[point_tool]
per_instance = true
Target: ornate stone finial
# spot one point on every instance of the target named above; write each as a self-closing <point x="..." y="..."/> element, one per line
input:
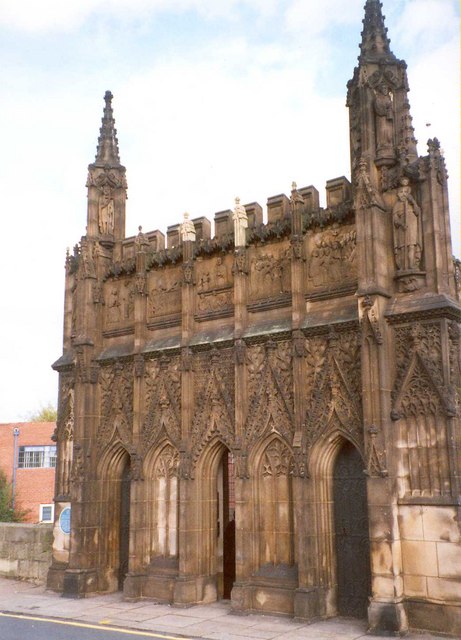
<point x="187" y="229"/>
<point x="294" y="186"/>
<point x="240" y="219"/>
<point x="107" y="153"/>
<point x="375" y="43"/>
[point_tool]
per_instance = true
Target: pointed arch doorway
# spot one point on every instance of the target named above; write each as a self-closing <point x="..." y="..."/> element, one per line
<point x="351" y="533"/>
<point x="226" y="523"/>
<point x="124" y="525"/>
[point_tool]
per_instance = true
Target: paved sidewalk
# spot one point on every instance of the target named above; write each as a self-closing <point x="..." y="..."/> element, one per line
<point x="213" y="621"/>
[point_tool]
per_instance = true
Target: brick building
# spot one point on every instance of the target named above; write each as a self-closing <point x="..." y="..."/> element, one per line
<point x="35" y="456"/>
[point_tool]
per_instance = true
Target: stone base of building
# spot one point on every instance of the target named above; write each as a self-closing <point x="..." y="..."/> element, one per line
<point x="195" y="590"/>
<point x="264" y="598"/>
<point x="55" y="576"/>
<point x="387" y="618"/>
<point x="79" y="583"/>
<point x="437" y="617"/>
<point x="314" y="603"/>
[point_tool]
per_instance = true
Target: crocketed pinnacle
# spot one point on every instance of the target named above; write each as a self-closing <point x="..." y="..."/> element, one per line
<point x="375" y="43"/>
<point x="107" y="152"/>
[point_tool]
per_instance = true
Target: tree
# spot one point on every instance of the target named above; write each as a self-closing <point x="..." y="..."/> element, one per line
<point x="7" y="512"/>
<point x="45" y="414"/>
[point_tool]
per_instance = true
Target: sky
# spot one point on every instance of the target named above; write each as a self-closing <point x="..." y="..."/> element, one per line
<point x="213" y="99"/>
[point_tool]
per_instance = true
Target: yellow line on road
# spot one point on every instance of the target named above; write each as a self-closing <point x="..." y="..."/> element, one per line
<point x="145" y="634"/>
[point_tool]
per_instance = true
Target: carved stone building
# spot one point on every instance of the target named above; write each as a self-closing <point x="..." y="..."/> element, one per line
<point x="302" y="374"/>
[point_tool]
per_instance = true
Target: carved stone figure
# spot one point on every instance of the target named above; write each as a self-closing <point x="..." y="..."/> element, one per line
<point x="406" y="216"/>
<point x="240" y="219"/>
<point x="187" y="229"/>
<point x="106" y="211"/>
<point x="384" y="111"/>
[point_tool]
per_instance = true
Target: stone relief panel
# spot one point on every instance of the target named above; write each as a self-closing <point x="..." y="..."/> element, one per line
<point x="270" y="271"/>
<point x="214" y="280"/>
<point x="422" y="405"/>
<point x="119" y="296"/>
<point x="333" y="387"/>
<point x="162" y="383"/>
<point x="116" y="387"/>
<point x="270" y="391"/>
<point x="164" y="292"/>
<point x="214" y="393"/>
<point x="332" y="262"/>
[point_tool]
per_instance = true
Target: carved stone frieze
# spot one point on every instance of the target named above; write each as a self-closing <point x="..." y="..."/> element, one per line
<point x="162" y="380"/>
<point x="65" y="420"/>
<point x="270" y="387"/>
<point x="270" y="272"/>
<point x="277" y="460"/>
<point x="116" y="381"/>
<point x="332" y="262"/>
<point x="214" y="400"/>
<point x="375" y="457"/>
<point x="164" y="287"/>
<point x="333" y="387"/>
<point x="119" y="295"/>
<point x="419" y="382"/>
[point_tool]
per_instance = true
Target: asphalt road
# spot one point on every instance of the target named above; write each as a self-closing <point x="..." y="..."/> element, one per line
<point x="19" y="627"/>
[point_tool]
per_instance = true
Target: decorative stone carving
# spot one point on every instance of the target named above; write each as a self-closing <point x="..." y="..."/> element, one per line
<point x="240" y="219"/>
<point x="116" y="382"/>
<point x="162" y="378"/>
<point x="375" y="458"/>
<point x="333" y="386"/>
<point x="240" y="351"/>
<point x="371" y="316"/>
<point x="164" y="292"/>
<point x="270" y="274"/>
<point x="106" y="211"/>
<point x="367" y="195"/>
<point x="332" y="259"/>
<point x="187" y="229"/>
<point x="240" y="262"/>
<point x="270" y="391"/>
<point x="214" y="400"/>
<point x="138" y="361"/>
<point x="277" y="460"/>
<point x="78" y="464"/>
<point x="168" y="463"/>
<point x="384" y="123"/>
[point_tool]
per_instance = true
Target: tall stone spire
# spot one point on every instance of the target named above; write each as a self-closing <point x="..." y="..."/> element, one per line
<point x="107" y="153"/>
<point x="380" y="122"/>
<point x="107" y="184"/>
<point x="375" y="43"/>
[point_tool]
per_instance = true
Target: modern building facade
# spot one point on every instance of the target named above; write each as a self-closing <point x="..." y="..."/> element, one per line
<point x="28" y="459"/>
<point x="271" y="414"/>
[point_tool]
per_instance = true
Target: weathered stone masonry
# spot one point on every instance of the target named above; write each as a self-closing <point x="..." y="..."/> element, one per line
<point x="272" y="414"/>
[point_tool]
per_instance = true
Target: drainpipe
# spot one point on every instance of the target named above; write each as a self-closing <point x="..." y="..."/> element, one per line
<point x="15" y="464"/>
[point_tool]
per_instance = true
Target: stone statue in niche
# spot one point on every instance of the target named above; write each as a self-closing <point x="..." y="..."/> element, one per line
<point x="128" y="301"/>
<point x="384" y="112"/>
<point x="240" y="219"/>
<point x="187" y="229"/>
<point x="406" y="217"/>
<point x="106" y="211"/>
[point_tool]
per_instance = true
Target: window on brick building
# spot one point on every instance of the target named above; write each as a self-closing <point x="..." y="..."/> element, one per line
<point x="46" y="512"/>
<point x="34" y="457"/>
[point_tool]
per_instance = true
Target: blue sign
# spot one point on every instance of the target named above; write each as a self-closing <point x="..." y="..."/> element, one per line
<point x="64" y="520"/>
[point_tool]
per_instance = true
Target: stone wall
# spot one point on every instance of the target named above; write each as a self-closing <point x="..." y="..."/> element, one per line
<point x="25" y="550"/>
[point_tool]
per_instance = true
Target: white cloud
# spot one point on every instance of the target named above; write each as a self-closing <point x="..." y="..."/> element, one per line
<point x="425" y="23"/>
<point x="58" y="15"/>
<point x="313" y="18"/>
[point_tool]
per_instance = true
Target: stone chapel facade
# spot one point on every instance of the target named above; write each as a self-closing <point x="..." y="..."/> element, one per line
<point x="272" y="414"/>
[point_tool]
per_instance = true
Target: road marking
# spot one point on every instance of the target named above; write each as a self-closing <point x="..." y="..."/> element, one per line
<point x="145" y="634"/>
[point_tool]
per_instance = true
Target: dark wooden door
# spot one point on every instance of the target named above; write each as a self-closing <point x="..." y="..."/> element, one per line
<point x="124" y="525"/>
<point x="351" y="533"/>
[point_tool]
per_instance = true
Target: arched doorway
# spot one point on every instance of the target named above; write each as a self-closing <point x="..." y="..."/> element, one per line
<point x="124" y="525"/>
<point x="351" y="530"/>
<point x="226" y="525"/>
